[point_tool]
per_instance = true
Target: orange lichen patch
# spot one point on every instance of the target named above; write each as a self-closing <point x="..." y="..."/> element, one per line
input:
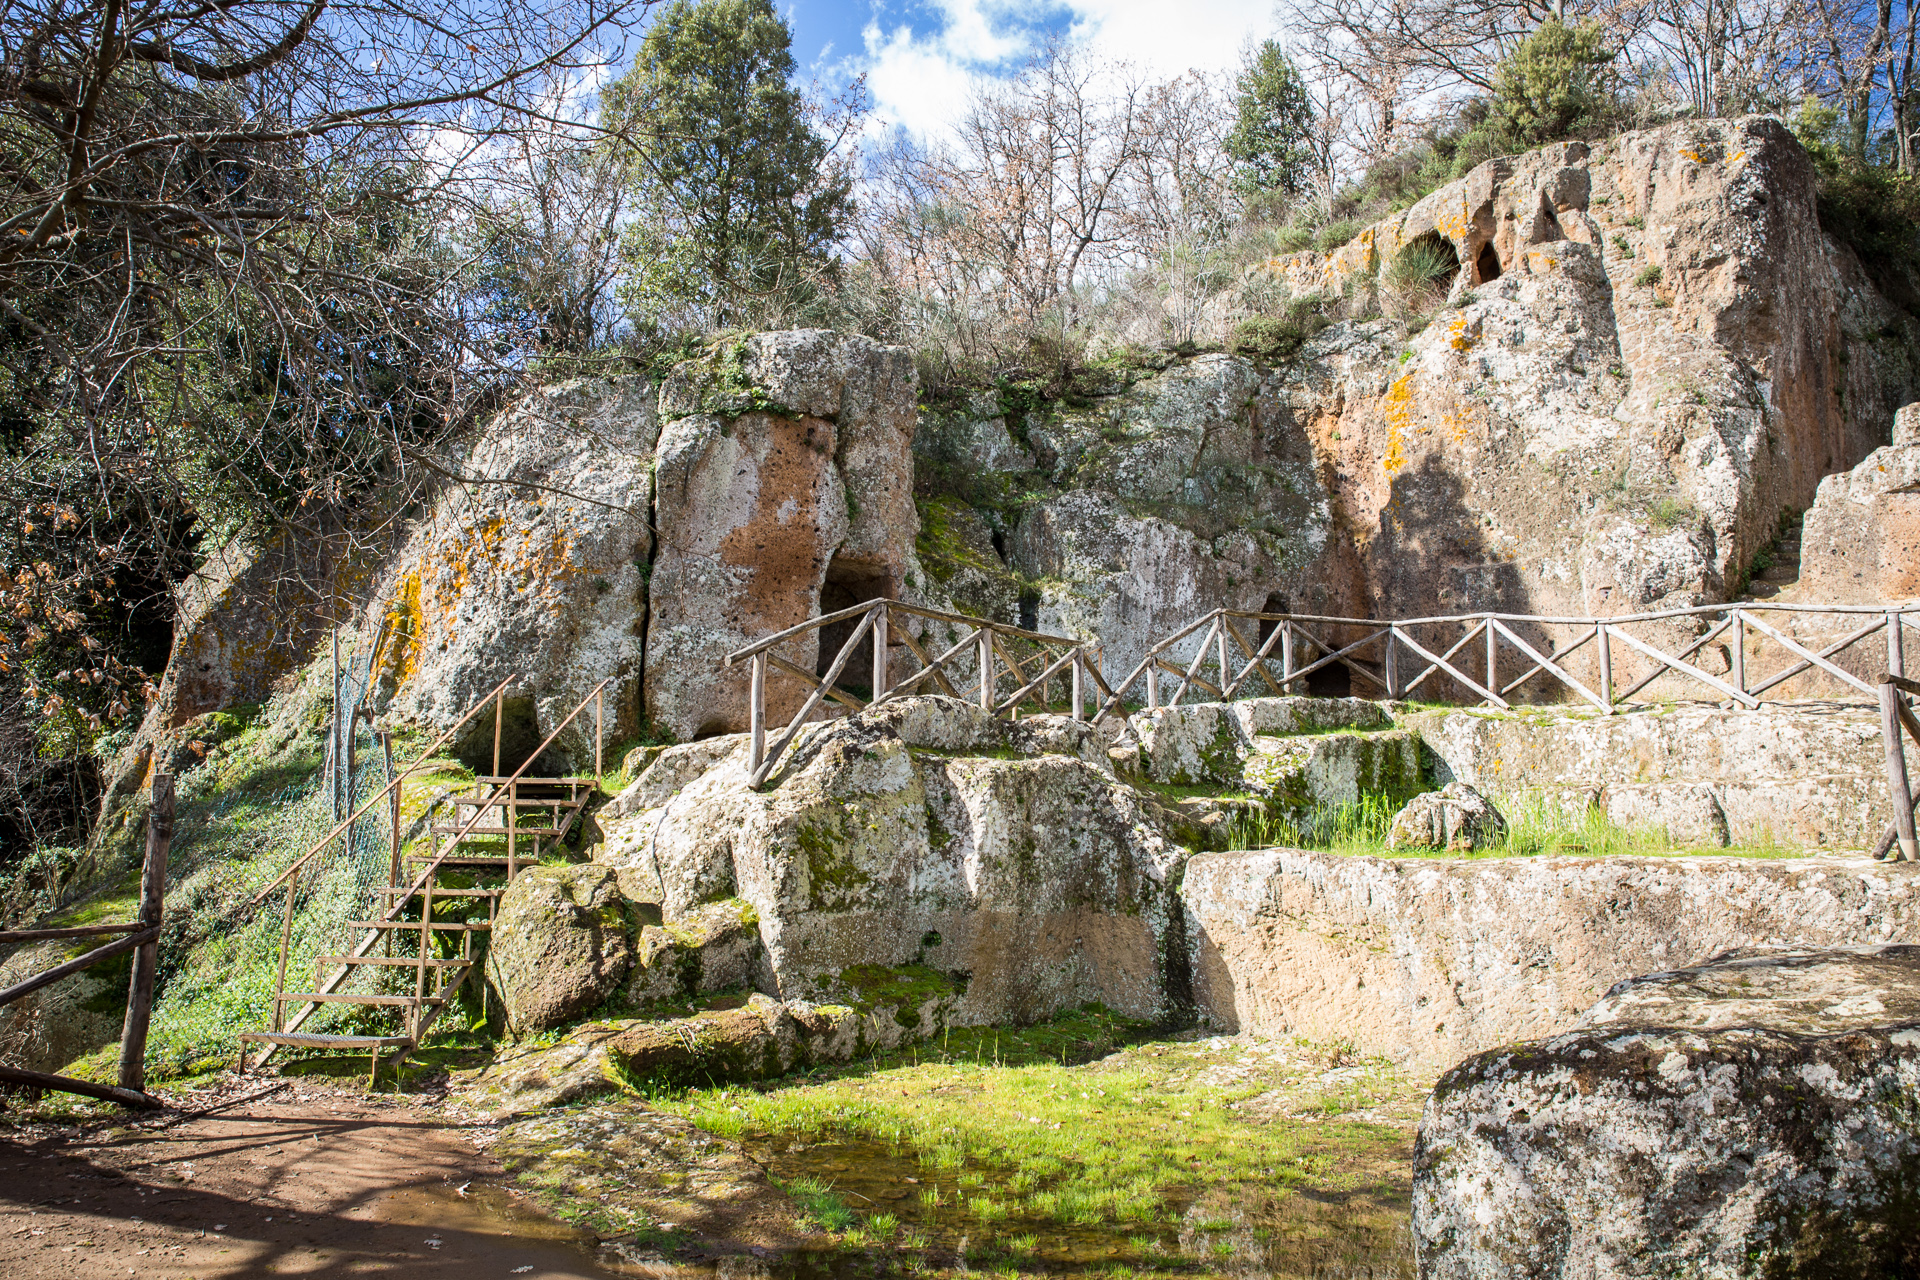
<point x="526" y="560"/>
<point x="408" y="621"/>
<point x="1463" y="332"/>
<point x="1353" y="257"/>
<point x="1460" y="427"/>
<point x="1396" y="410"/>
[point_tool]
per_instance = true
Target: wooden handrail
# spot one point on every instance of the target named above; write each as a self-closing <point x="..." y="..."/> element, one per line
<point x="380" y="795"/>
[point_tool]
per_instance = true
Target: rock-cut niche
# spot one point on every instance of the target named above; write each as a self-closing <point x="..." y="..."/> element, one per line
<point x="850" y="581"/>
<point x="1330" y="681"/>
<point x="1486" y="267"/>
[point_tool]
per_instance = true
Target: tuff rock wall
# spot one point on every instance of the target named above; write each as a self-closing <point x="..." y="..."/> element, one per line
<point x="1648" y="352"/>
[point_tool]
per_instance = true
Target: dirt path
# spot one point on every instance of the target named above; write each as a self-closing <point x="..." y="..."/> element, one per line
<point x="308" y="1180"/>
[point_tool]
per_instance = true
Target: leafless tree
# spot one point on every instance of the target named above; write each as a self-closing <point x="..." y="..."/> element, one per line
<point x="228" y="293"/>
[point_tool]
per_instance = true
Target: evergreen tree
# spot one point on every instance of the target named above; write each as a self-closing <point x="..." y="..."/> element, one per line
<point x="734" y="187"/>
<point x="1272" y="119"/>
<point x="1554" y="86"/>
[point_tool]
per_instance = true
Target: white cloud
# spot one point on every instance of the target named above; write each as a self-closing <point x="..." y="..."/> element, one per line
<point x="919" y="78"/>
<point x="1171" y="38"/>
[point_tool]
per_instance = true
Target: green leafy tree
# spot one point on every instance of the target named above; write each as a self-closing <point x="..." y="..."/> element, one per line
<point x="736" y="190"/>
<point x="1272" y="125"/>
<point x="1555" y="85"/>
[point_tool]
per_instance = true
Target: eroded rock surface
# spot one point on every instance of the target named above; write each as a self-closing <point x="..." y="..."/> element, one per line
<point x="1717" y="1122"/>
<point x="1861" y="539"/>
<point x="928" y="833"/>
<point x="1799" y="773"/>
<point x="1428" y="960"/>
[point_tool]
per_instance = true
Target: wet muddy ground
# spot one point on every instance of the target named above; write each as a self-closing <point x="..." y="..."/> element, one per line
<point x="1263" y="1159"/>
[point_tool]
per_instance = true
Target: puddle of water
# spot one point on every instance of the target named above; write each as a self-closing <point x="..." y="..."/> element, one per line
<point x="526" y="1238"/>
<point x="1295" y="1235"/>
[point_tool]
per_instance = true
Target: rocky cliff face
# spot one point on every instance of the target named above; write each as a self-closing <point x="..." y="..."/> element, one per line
<point x="1642" y="354"/>
<point x="1645" y="352"/>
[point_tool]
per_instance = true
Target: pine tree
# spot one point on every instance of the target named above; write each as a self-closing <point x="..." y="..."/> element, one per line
<point x="735" y="191"/>
<point x="1272" y="118"/>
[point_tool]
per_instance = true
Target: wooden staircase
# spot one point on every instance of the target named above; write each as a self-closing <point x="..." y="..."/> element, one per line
<point x="499" y="828"/>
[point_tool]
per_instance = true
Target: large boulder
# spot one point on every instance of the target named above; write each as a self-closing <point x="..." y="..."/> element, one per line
<point x="561" y="943"/>
<point x="784" y="490"/>
<point x="538" y="575"/>
<point x="928" y="832"/>
<point x="1861" y="540"/>
<point x="1752" y="1116"/>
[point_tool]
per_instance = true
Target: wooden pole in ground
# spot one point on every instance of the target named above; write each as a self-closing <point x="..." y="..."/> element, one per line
<point x="1493" y="672"/>
<point x="1606" y="665"/>
<point x="1739" y="653"/>
<point x="153" y="889"/>
<point x="1897" y="783"/>
<point x="1393" y="661"/>
<point x="1286" y="656"/>
<point x="499" y="715"/>
<point x="986" y="670"/>
<point x="879" y="684"/>
<point x="1896" y="647"/>
<point x="599" y="733"/>
<point x="757" y="709"/>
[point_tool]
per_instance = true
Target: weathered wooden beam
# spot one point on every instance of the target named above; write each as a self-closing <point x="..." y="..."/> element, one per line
<point x="146" y="959"/>
<point x="85" y="1088"/>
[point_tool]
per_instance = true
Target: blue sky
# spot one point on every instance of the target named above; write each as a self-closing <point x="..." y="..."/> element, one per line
<point x="919" y="56"/>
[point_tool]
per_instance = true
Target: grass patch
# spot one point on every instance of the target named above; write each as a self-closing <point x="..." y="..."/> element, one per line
<point x="1536" y="827"/>
<point x="1004" y="1132"/>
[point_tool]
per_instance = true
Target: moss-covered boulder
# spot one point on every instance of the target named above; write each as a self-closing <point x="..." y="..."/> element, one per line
<point x="1007" y="856"/>
<point x="715" y="947"/>
<point x="561" y="945"/>
<point x="1683" y="1133"/>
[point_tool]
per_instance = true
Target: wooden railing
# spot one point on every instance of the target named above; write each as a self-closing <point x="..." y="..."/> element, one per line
<point x="1396" y="658"/>
<point x="993" y="649"/>
<point x="1896" y="715"/>
<point x="142" y="937"/>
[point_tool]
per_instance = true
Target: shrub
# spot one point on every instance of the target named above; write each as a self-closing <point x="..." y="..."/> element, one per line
<point x="1649" y="276"/>
<point x="1554" y="86"/>
<point x="1280" y="337"/>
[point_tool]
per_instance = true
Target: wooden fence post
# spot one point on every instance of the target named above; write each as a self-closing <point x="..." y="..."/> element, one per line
<point x="1896" y="646"/>
<point x="879" y="657"/>
<point x="757" y="709"/>
<point x="986" y="669"/>
<point x="393" y="809"/>
<point x="1286" y="656"/>
<point x="1079" y="661"/>
<point x="1493" y="660"/>
<point x="1393" y="661"/>
<point x="1739" y="653"/>
<point x="599" y="733"/>
<point x="146" y="959"/>
<point x="1606" y="664"/>
<point x="1897" y="782"/>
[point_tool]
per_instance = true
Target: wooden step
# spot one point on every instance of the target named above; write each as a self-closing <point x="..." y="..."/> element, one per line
<point x="538" y="782"/>
<point x="316" y="1041"/>
<point x="524" y="802"/>
<point x="477" y="859"/>
<point x="397" y="962"/>
<point x="401" y="892"/>
<point x="468" y="832"/>
<point x="339" y="997"/>
<point x="415" y="925"/>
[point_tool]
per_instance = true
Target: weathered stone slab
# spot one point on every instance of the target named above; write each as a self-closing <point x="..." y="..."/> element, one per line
<point x="1749" y="1117"/>
<point x="1800" y="773"/>
<point x="1428" y="960"/>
